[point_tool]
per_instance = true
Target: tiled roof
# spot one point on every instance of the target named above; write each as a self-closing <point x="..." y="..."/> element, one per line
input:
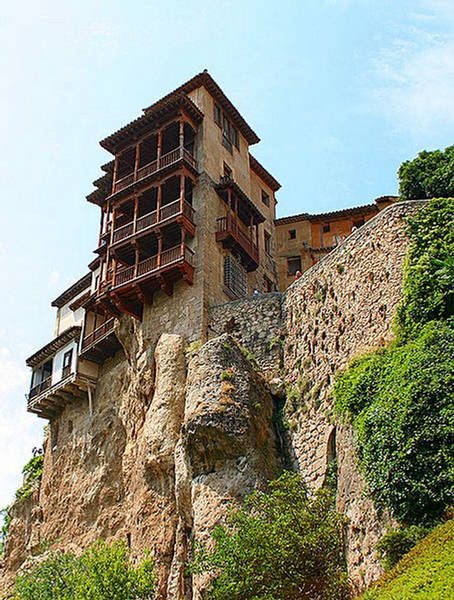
<point x="263" y="173"/>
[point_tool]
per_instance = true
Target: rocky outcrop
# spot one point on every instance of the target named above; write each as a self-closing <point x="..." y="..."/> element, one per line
<point x="172" y="441"/>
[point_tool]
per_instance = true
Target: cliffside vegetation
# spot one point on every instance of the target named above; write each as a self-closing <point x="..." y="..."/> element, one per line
<point x="282" y="544"/>
<point x="400" y="399"/>
<point x="426" y="572"/>
<point x="101" y="572"/>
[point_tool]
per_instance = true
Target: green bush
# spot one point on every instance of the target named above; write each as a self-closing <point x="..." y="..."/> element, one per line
<point x="32" y="471"/>
<point x="101" y="572"/>
<point x="396" y="543"/>
<point x="280" y="545"/>
<point x="429" y="276"/>
<point x="401" y="403"/>
<point x="425" y="573"/>
<point x="429" y="175"/>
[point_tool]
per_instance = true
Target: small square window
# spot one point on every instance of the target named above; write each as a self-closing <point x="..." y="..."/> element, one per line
<point x="265" y="198"/>
<point x="267" y="239"/>
<point x="293" y="264"/>
<point x="326" y="228"/>
<point x="358" y="223"/>
<point x="292" y="234"/>
<point x="217" y="114"/>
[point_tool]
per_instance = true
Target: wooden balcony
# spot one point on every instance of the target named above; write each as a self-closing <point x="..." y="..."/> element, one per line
<point x="176" y="259"/>
<point x="165" y="162"/>
<point x="100" y="343"/>
<point x="181" y="212"/>
<point x="47" y="399"/>
<point x="233" y="234"/>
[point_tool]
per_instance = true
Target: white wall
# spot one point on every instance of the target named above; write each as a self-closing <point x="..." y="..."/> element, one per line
<point x="66" y="318"/>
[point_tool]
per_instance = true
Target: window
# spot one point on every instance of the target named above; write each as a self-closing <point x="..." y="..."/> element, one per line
<point x="293" y="264"/>
<point x="267" y="239"/>
<point x="227" y="171"/>
<point x="235" y="278"/>
<point x="358" y="223"/>
<point x="67" y="359"/>
<point x="292" y="234"/>
<point x="269" y="285"/>
<point x="217" y="114"/>
<point x="235" y="137"/>
<point x="326" y="228"/>
<point x="265" y="198"/>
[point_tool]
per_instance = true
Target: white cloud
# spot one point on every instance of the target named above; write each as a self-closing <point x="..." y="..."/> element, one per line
<point x="13" y="374"/>
<point x="415" y="74"/>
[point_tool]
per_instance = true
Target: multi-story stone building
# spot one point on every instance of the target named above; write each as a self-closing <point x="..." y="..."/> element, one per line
<point x="187" y="222"/>
<point x="301" y="240"/>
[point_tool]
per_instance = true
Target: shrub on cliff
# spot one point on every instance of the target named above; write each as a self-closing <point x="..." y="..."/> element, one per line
<point x="280" y="545"/>
<point x="401" y="399"/>
<point x="101" y="572"/>
<point x="429" y="175"/>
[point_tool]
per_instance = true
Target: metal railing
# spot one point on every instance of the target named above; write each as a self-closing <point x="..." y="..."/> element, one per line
<point x="40" y="388"/>
<point x="165" y="161"/>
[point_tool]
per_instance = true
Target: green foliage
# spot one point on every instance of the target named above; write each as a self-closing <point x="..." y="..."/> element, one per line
<point x="6" y="516"/>
<point x="32" y="472"/>
<point x="429" y="278"/>
<point x="426" y="573"/>
<point x="398" y="542"/>
<point x="193" y="347"/>
<point x="340" y="268"/>
<point x="280" y="545"/>
<point x="227" y="375"/>
<point x="401" y="398"/>
<point x="401" y="402"/>
<point x="101" y="572"/>
<point x="429" y="175"/>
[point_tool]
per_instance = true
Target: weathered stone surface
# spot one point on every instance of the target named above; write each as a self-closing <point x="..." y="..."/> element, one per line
<point x="174" y="440"/>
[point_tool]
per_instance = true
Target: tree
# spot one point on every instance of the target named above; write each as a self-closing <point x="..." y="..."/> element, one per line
<point x="101" y="572"/>
<point x="281" y="545"/>
<point x="429" y="175"/>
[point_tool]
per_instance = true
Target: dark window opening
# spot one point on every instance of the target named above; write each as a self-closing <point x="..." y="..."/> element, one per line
<point x="217" y="114"/>
<point x="67" y="360"/>
<point x="227" y="171"/>
<point x="358" y="223"/>
<point x="235" y="278"/>
<point x="269" y="285"/>
<point x="265" y="198"/>
<point x="292" y="234"/>
<point x="267" y="239"/>
<point x="326" y="228"/>
<point x="293" y="264"/>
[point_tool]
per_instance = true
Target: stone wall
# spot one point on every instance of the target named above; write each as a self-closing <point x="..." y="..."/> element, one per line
<point x="341" y="308"/>
<point x="256" y="323"/>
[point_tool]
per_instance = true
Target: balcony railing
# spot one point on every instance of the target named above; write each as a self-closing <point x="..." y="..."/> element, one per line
<point x="100" y="332"/>
<point x="239" y="232"/>
<point x="150" y="219"/>
<point x="154" y="264"/>
<point x="40" y="388"/>
<point x="165" y="161"/>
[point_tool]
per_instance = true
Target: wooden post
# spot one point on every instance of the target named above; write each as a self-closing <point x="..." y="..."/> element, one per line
<point x="181" y="192"/>
<point x="114" y="270"/>
<point x="257" y="235"/>
<point x="136" y="162"/>
<point x="158" y="204"/>
<point x="101" y="226"/>
<point x="158" y="261"/>
<point x="181" y="144"/>
<point x="114" y="178"/>
<point x="114" y="215"/>
<point x="251" y="228"/>
<point x="183" y="236"/>
<point x="159" y="147"/>
<point x="136" y="258"/>
<point x="136" y="208"/>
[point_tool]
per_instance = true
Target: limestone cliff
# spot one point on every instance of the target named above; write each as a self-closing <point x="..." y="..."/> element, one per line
<point x="174" y="437"/>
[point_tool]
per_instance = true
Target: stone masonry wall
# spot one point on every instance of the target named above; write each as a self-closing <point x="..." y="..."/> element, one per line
<point x="256" y="323"/>
<point x="341" y="308"/>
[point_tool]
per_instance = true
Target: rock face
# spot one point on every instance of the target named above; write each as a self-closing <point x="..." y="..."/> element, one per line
<point x="172" y="442"/>
<point x="175" y="437"/>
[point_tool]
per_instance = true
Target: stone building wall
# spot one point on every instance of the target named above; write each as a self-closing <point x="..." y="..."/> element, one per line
<point x="256" y="323"/>
<point x="342" y="307"/>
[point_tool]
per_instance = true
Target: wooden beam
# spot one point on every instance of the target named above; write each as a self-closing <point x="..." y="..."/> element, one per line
<point x="166" y="286"/>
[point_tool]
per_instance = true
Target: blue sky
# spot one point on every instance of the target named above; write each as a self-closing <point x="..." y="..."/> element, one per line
<point x="340" y="92"/>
